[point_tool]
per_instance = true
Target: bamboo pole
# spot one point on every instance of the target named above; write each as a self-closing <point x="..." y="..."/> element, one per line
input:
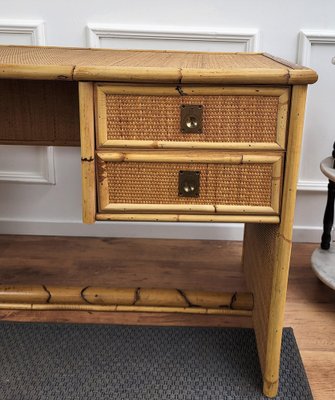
<point x="249" y="76"/>
<point x="282" y="118"/>
<point x="213" y="157"/>
<point x="97" y="308"/>
<point x="126" y="74"/>
<point x="86" y="105"/>
<point x="37" y="72"/>
<point x="125" y="299"/>
<point x="268" y="219"/>
<point x="246" y="76"/>
<point x="100" y="114"/>
<point x="201" y="209"/>
<point x="161" y="144"/>
<point x="159" y="90"/>
<point x="128" y="207"/>
<point x="277" y="181"/>
<point x="171" y="157"/>
<point x="20" y="293"/>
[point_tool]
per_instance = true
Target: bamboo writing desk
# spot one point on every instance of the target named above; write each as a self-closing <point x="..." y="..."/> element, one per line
<point x="171" y="136"/>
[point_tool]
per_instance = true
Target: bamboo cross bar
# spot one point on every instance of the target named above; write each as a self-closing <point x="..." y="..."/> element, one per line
<point x="90" y="298"/>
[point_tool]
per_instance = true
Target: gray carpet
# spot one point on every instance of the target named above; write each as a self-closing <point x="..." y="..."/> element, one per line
<point x="72" y="361"/>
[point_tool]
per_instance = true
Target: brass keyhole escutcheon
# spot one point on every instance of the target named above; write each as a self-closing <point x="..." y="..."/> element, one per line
<point x="191" y="118"/>
<point x="189" y="183"/>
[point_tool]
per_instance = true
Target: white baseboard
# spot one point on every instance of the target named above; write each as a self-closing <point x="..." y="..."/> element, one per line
<point x="307" y="234"/>
<point x="166" y="230"/>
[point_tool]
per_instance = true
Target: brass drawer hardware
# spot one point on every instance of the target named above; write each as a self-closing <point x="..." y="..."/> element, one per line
<point x="189" y="183"/>
<point x="191" y="118"/>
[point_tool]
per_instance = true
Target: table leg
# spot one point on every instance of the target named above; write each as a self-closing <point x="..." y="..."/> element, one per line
<point x="328" y="219"/>
<point x="266" y="259"/>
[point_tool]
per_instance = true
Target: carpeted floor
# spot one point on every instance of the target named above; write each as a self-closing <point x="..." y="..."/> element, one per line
<point x="72" y="361"/>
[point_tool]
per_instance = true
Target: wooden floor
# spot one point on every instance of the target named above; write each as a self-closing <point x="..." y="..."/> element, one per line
<point x="195" y="264"/>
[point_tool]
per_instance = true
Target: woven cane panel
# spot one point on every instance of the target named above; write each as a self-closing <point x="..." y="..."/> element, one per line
<point x="244" y="184"/>
<point x="225" y="118"/>
<point x="157" y="183"/>
<point x="17" y="55"/>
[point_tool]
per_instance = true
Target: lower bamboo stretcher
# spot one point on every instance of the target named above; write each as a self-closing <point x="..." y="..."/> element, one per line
<point x="125" y="299"/>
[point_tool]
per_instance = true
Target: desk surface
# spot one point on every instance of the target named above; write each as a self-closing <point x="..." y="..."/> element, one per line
<point x="26" y="62"/>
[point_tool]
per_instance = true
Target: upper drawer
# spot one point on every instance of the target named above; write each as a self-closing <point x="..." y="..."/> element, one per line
<point x="223" y="117"/>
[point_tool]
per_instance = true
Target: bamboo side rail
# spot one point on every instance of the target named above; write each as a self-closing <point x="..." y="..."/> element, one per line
<point x="127" y="74"/>
<point x="40" y="297"/>
<point x="161" y="144"/>
<point x="262" y="219"/>
<point x="115" y="308"/>
<point x="204" y="157"/>
<point x="246" y="76"/>
<point x="202" y="209"/>
<point x="156" y="90"/>
<point x="37" y="72"/>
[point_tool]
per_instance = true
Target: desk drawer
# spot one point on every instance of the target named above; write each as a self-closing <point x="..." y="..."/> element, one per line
<point x="161" y="181"/>
<point x="229" y="117"/>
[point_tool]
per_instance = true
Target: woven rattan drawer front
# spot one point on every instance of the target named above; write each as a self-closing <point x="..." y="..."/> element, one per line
<point x="232" y="117"/>
<point x="149" y="182"/>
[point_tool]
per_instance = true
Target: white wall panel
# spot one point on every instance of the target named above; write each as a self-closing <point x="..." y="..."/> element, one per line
<point x="172" y="38"/>
<point x="317" y="49"/>
<point x="214" y="25"/>
<point x="27" y="164"/>
<point x="22" y="32"/>
<point x="22" y="163"/>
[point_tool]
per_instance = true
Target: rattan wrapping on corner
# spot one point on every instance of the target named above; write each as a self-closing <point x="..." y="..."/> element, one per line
<point x="157" y="183"/>
<point x="225" y="118"/>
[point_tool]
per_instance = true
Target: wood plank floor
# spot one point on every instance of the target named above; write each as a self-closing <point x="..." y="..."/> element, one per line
<point x="187" y="264"/>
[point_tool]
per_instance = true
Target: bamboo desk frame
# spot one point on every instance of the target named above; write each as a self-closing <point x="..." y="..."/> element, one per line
<point x="48" y="79"/>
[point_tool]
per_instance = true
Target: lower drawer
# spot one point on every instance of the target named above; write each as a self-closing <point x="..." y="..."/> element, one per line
<point x="189" y="183"/>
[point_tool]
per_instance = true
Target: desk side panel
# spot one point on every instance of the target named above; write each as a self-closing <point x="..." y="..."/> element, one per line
<point x="39" y="113"/>
<point x="266" y="256"/>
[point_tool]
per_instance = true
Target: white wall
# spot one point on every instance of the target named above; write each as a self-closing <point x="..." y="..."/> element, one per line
<point x="42" y="195"/>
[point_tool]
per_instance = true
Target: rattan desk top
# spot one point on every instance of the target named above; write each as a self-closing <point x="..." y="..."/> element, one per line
<point x="54" y="63"/>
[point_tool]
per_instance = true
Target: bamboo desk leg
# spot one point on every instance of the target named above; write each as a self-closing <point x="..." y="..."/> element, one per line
<point x="266" y="258"/>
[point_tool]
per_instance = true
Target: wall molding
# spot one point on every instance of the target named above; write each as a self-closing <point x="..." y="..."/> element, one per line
<point x="306" y="39"/>
<point x="45" y="174"/>
<point x="309" y="37"/>
<point x="25" y="27"/>
<point x="95" y="32"/>
<point x="312" y="186"/>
